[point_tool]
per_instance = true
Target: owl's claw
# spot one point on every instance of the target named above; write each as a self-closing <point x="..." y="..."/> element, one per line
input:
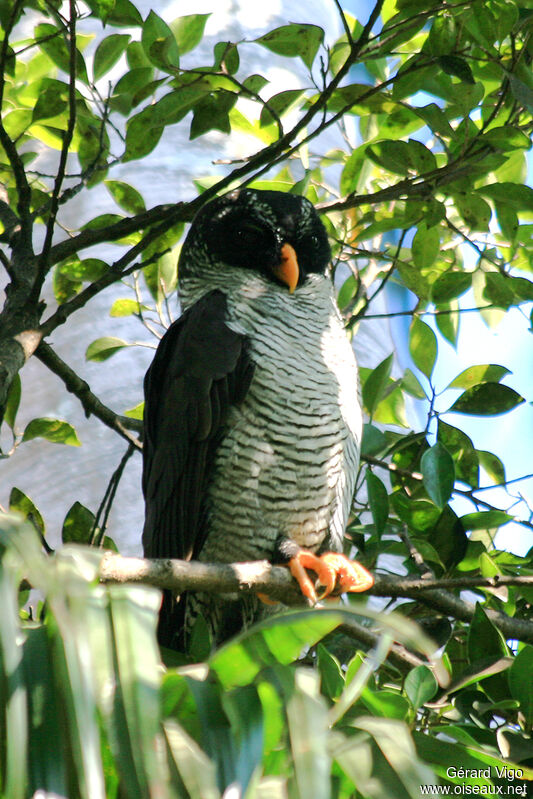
<point x="335" y="572"/>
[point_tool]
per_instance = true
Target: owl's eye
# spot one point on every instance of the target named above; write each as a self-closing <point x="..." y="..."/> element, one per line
<point x="250" y="235"/>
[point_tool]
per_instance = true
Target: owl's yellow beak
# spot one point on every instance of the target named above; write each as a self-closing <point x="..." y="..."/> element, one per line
<point x="287" y="270"/>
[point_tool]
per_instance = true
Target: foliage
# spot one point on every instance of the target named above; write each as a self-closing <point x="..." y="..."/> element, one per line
<point x="426" y="191"/>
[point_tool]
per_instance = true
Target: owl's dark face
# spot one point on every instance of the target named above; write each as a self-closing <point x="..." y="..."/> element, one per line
<point x="259" y="231"/>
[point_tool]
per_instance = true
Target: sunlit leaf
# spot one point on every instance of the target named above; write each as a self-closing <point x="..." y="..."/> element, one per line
<point x="54" y="430"/>
<point x="103" y="348"/>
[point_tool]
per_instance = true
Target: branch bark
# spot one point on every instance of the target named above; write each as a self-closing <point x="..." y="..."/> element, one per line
<point x="276" y="582"/>
<point x="91" y="404"/>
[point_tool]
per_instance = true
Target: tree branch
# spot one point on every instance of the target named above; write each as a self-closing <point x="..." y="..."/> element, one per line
<point x="67" y="139"/>
<point x="91" y="403"/>
<point x="276" y="582"/>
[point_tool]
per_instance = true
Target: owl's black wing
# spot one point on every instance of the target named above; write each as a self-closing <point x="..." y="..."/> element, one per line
<point x="201" y="368"/>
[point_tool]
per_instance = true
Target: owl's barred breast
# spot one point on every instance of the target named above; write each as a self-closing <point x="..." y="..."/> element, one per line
<point x="287" y="463"/>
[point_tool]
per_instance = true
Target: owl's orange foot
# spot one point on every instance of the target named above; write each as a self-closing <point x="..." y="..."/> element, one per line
<point x="335" y="572"/>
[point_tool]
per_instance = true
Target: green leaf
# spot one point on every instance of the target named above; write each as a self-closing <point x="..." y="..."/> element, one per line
<point x="426" y="246"/>
<point x="461" y="448"/>
<point x="394" y="740"/>
<point x="378" y="500"/>
<point x="307" y="719"/>
<point x="47" y="773"/>
<point x="485" y="520"/>
<point x="54" y="430"/>
<point x="159" y="43"/>
<point x="438" y="470"/>
<point x="195" y="769"/>
<point x="487" y="399"/>
<point x="386" y="704"/>
<point x="450" y="285"/>
<point x="189" y="31"/>
<point x="19" y="502"/>
<point x="51" y="101"/>
<point x="13" y="402"/>
<point x="77" y="525"/>
<point x="481" y="373"/>
<point x="521" y="683"/>
<point x="331" y="676"/>
<point x="458" y="67"/>
<point x="484" y="638"/>
<point x="108" y="53"/>
<point x="498" y="290"/>
<point x="13" y="695"/>
<point x="492" y="465"/>
<point x="475" y="211"/>
<point x="136" y="412"/>
<point x="52" y="42"/>
<point x="227" y="59"/>
<point x="212" y="113"/>
<point x="128" y="198"/>
<point x="294" y="40"/>
<point x="103" y="348"/>
<point x="245" y="712"/>
<point x="512" y="194"/>
<point x="376" y="384"/>
<point x="279" y="104"/>
<point x="412" y="386"/>
<point x="347" y="291"/>
<point x="422" y="346"/>
<point x="374" y="441"/>
<point x="134" y="612"/>
<point x="420" y="686"/>
<point x="125" y="307"/>
<point x="442" y="37"/>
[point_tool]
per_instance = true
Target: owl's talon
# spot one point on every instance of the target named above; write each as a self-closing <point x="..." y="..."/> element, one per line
<point x="335" y="572"/>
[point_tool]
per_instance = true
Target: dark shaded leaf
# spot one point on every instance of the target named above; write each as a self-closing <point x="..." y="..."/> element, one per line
<point x="378" y="500"/>
<point x="19" y="502"/>
<point x="438" y="471"/>
<point x="487" y="399"/>
<point x="461" y="448"/>
<point x="521" y="682"/>
<point x="458" y="67"/>
<point x="450" y="285"/>
<point x="77" y="525"/>
<point x="13" y="401"/>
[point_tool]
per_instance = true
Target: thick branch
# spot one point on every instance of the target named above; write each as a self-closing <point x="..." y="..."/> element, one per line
<point x="276" y="581"/>
<point x="91" y="403"/>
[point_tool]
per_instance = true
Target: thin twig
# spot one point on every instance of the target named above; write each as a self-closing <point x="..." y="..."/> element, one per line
<point x="100" y="527"/>
<point x="67" y="139"/>
<point x="91" y="403"/>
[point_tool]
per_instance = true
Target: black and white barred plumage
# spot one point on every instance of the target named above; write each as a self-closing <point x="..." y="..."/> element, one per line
<point x="252" y="415"/>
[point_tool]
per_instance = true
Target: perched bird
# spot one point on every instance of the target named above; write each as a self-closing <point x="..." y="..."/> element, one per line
<point x="252" y="410"/>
